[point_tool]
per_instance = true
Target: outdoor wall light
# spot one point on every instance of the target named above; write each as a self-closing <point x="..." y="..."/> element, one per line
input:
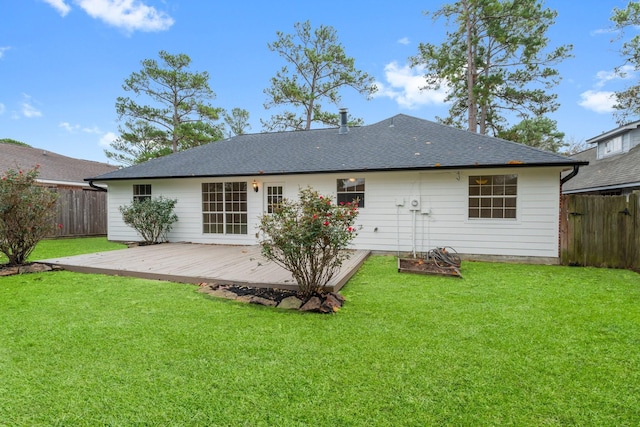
<point x="255" y="186"/>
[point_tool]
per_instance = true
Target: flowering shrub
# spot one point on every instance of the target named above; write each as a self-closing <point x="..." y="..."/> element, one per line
<point x="27" y="213"/>
<point x="308" y="237"/>
<point x="151" y="218"/>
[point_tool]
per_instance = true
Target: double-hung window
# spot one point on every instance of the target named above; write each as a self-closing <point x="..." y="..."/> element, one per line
<point x="224" y="207"/>
<point x="141" y="192"/>
<point x="351" y="190"/>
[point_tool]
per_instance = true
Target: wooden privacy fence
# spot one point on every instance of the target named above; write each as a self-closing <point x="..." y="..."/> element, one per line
<point x="81" y="213"/>
<point x="600" y="231"/>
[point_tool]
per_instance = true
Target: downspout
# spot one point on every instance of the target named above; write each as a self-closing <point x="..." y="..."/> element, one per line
<point x="92" y="185"/>
<point x="573" y="173"/>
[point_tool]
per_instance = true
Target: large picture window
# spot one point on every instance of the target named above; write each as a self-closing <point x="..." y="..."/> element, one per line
<point x="224" y="207"/>
<point x="351" y="190"/>
<point x="141" y="192"/>
<point x="493" y="196"/>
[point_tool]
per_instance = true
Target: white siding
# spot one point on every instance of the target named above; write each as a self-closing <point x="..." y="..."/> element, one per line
<point x="441" y="221"/>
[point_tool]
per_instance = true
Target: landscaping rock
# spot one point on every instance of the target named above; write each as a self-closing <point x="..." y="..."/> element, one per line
<point x="290" y="303"/>
<point x="338" y="297"/>
<point x="221" y="293"/>
<point x="313" y="304"/>
<point x="330" y="304"/>
<point x="272" y="297"/>
<point x="24" y="269"/>
<point x="253" y="299"/>
<point x="8" y="271"/>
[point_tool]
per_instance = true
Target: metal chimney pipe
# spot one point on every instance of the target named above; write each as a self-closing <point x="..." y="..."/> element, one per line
<point x="343" y="121"/>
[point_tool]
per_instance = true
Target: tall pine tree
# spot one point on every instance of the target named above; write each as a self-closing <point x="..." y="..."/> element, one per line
<point x="495" y="63"/>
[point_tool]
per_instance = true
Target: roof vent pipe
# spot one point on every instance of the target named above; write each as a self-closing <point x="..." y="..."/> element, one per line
<point x="343" y="121"/>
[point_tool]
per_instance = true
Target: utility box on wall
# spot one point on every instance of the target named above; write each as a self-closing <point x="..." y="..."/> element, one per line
<point x="414" y="203"/>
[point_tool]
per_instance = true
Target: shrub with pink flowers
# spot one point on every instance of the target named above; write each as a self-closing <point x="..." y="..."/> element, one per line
<point x="27" y="213"/>
<point x="309" y="237"/>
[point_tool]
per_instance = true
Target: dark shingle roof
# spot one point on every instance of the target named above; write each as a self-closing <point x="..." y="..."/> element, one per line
<point x="53" y="167"/>
<point x="398" y="143"/>
<point x="618" y="171"/>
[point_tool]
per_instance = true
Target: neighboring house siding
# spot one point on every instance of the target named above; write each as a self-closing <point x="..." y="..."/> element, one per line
<point x="634" y="138"/>
<point x="441" y="221"/>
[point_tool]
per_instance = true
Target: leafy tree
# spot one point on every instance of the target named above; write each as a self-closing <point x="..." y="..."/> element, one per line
<point x="493" y="62"/>
<point x="137" y="143"/>
<point x="308" y="237"/>
<point x="628" y="100"/>
<point x="539" y="132"/>
<point x="320" y="68"/>
<point x="27" y="214"/>
<point x="13" y="141"/>
<point x="178" y="109"/>
<point x="237" y="120"/>
<point x="151" y="218"/>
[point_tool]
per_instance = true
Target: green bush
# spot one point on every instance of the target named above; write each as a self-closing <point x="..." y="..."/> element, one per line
<point x="308" y="237"/>
<point x="27" y="214"/>
<point x="151" y="218"/>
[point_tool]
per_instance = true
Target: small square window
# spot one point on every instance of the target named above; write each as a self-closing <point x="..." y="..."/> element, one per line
<point x="493" y="196"/>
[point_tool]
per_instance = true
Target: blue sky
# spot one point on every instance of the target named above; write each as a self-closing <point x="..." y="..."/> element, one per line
<point x="63" y="62"/>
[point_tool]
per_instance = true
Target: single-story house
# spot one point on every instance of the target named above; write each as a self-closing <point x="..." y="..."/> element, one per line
<point x="419" y="184"/>
<point x="614" y="164"/>
<point x="55" y="170"/>
<point x="80" y="209"/>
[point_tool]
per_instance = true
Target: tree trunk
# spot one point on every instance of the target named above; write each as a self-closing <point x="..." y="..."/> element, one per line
<point x="471" y="72"/>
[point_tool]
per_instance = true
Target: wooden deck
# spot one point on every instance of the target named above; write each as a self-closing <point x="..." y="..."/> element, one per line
<point x="198" y="263"/>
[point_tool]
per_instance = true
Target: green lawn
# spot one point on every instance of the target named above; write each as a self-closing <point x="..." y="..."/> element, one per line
<point x="507" y="345"/>
<point x="66" y="247"/>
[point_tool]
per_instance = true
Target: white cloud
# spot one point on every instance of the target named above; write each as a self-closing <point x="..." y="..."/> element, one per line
<point x="404" y="40"/>
<point x="60" y="6"/>
<point x="3" y="49"/>
<point x="75" y="128"/>
<point x="94" y="129"/>
<point x="27" y="109"/>
<point x="107" y="139"/>
<point x="403" y="86"/>
<point x="69" y="127"/>
<point x="602" y="31"/>
<point x="626" y="72"/>
<point x="598" y="101"/>
<point x="130" y="15"/>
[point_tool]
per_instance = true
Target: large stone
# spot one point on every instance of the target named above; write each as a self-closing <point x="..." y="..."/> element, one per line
<point x="252" y="299"/>
<point x="220" y="293"/>
<point x="34" y="268"/>
<point x="290" y="303"/>
<point x="338" y="297"/>
<point x="8" y="271"/>
<point x="330" y="304"/>
<point x="312" y="305"/>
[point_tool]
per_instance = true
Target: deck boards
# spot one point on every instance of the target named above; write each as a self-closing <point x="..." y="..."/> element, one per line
<point x="198" y="263"/>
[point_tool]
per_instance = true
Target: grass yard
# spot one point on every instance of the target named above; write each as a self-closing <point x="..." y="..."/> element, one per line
<point x="67" y="247"/>
<point x="507" y="345"/>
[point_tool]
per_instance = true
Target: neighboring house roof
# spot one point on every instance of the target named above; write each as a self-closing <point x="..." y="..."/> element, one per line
<point x="54" y="168"/>
<point x="617" y="131"/>
<point x="614" y="172"/>
<point x="398" y="143"/>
